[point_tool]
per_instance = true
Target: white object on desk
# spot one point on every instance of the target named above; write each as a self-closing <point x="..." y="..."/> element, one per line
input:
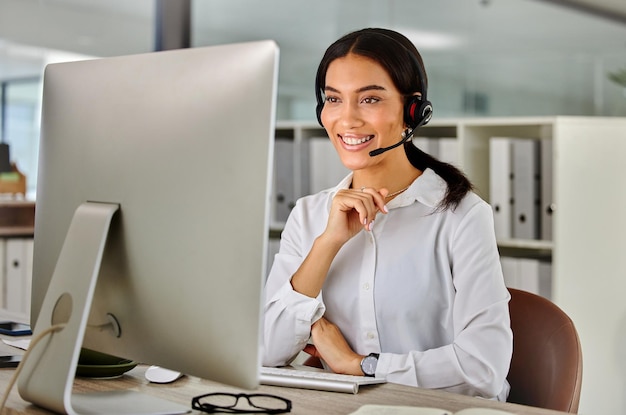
<point x="158" y="374"/>
<point x="20" y="344"/>
<point x="311" y="378"/>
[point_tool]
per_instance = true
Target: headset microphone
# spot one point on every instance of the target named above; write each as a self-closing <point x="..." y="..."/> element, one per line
<point x="405" y="137"/>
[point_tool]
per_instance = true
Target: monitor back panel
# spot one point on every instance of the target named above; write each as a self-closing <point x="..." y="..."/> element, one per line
<point x="183" y="141"/>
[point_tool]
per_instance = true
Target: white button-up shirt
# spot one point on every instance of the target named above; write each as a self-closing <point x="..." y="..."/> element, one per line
<point x="424" y="289"/>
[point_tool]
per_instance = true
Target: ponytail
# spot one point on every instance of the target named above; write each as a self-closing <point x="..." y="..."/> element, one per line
<point x="458" y="184"/>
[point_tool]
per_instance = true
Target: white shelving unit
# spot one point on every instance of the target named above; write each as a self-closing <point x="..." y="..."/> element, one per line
<point x="588" y="247"/>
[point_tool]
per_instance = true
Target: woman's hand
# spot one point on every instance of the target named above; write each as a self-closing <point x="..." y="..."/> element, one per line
<point x="353" y="210"/>
<point x="331" y="346"/>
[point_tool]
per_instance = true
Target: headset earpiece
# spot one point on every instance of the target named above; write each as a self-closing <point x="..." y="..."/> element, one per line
<point x="416" y="112"/>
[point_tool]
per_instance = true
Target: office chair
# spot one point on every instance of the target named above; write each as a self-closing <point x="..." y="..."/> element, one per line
<point x="546" y="368"/>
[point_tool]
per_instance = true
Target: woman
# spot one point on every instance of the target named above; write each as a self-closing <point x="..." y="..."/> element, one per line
<point x="394" y="272"/>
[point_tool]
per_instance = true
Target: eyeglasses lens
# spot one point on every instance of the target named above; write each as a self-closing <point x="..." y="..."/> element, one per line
<point x="267" y="402"/>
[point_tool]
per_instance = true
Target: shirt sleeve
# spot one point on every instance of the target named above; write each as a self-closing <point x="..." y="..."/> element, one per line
<point x="288" y="315"/>
<point x="477" y="361"/>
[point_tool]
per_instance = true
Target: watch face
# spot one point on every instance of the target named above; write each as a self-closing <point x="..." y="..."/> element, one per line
<point x="368" y="365"/>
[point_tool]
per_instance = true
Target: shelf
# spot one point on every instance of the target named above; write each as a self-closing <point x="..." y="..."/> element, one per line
<point x="586" y="254"/>
<point x="525" y="248"/>
<point x="17" y="231"/>
<point x="17" y="218"/>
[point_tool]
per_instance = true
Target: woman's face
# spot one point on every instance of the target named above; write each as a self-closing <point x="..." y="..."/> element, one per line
<point x="363" y="110"/>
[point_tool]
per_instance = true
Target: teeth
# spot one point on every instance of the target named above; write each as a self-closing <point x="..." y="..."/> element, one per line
<point x="354" y="141"/>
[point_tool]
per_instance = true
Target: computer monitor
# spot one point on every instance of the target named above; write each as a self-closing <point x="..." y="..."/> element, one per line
<point x="152" y="218"/>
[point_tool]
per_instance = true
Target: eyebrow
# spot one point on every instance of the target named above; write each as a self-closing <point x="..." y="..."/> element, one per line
<point x="362" y="89"/>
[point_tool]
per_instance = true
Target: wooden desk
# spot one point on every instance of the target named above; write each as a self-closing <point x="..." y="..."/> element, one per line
<point x="304" y="401"/>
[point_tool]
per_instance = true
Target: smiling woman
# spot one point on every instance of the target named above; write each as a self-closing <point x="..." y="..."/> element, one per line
<point x="419" y="298"/>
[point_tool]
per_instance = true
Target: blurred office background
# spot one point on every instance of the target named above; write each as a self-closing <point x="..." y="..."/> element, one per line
<point x="483" y="57"/>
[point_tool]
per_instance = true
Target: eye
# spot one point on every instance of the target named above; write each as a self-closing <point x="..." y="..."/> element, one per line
<point x="331" y="99"/>
<point x="370" y="100"/>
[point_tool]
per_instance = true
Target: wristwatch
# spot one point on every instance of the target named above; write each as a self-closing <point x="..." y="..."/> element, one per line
<point x="369" y="363"/>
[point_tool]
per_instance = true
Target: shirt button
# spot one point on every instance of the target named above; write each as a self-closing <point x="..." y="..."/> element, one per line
<point x="371" y="335"/>
<point x="366" y="286"/>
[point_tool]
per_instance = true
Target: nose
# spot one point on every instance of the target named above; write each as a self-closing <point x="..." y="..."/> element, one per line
<point x="350" y="114"/>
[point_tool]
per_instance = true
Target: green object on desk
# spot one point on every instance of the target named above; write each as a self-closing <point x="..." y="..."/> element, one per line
<point x="94" y="364"/>
<point x="12" y="177"/>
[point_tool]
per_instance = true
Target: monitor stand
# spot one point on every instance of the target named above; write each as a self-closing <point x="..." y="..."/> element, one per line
<point x="47" y="376"/>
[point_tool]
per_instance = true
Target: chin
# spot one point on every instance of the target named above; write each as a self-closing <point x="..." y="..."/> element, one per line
<point x="356" y="162"/>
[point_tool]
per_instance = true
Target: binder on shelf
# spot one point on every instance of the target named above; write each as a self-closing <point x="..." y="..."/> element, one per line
<point x="448" y="150"/>
<point x="19" y="254"/>
<point x="326" y="169"/>
<point x="543" y="270"/>
<point x="428" y="145"/>
<point x="284" y="197"/>
<point x="528" y="274"/>
<point x="547" y="198"/>
<point x="526" y="179"/>
<point x="501" y="185"/>
<point x="509" y="271"/>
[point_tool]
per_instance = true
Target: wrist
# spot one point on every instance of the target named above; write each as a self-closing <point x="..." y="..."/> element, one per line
<point x="369" y="364"/>
<point x="329" y="243"/>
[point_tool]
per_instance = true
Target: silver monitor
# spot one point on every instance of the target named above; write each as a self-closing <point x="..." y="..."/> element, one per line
<point x="152" y="218"/>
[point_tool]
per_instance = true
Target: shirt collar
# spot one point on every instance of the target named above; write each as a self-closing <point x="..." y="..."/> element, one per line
<point x="429" y="188"/>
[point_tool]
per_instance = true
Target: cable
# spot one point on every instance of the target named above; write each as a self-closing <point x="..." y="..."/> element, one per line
<point x="33" y="343"/>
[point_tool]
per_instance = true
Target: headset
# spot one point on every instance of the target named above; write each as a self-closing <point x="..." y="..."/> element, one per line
<point x="418" y="110"/>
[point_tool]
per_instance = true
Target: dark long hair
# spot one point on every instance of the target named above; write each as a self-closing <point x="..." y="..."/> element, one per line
<point x="404" y="64"/>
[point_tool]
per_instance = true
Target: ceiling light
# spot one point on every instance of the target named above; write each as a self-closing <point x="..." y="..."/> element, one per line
<point x="426" y="40"/>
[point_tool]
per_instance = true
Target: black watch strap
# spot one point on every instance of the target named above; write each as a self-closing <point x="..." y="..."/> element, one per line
<point x="369" y="363"/>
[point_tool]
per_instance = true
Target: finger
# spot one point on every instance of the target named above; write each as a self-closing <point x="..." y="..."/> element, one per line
<point x="361" y="202"/>
<point x="374" y="202"/>
<point x="367" y="210"/>
<point x="378" y="197"/>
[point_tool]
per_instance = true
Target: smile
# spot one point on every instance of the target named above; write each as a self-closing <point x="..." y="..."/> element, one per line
<point x="353" y="141"/>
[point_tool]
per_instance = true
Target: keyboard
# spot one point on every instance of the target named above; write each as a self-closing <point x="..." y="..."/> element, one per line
<point x="310" y="378"/>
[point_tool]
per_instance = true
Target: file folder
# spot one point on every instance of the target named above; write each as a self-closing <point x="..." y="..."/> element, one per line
<point x="428" y="145"/>
<point x="19" y="260"/>
<point x="526" y="179"/>
<point x="501" y="185"/>
<point x="528" y="274"/>
<point x="284" y="197"/>
<point x="535" y="276"/>
<point x="509" y="271"/>
<point x="326" y="168"/>
<point x="449" y="150"/>
<point x="547" y="200"/>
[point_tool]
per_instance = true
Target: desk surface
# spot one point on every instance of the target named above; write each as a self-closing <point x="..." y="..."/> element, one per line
<point x="304" y="401"/>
